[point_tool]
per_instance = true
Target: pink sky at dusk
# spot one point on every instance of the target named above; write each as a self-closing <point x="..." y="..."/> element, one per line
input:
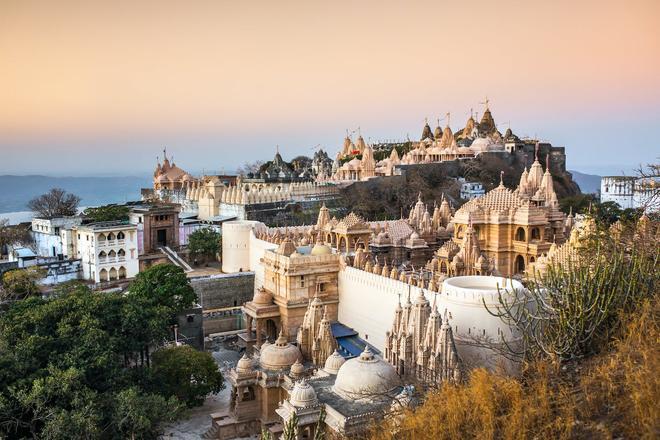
<point x="221" y="83"/>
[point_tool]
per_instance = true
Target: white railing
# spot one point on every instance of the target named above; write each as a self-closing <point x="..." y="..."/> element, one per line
<point x="107" y="243"/>
<point x="109" y="260"/>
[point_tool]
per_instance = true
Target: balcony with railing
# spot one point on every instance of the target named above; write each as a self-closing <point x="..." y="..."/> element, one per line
<point x="111" y="243"/>
<point x="111" y="260"/>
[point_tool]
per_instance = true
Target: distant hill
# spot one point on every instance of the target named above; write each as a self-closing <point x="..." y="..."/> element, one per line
<point x="16" y="191"/>
<point x="589" y="183"/>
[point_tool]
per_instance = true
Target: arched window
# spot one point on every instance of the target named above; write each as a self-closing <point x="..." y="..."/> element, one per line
<point x="121" y="253"/>
<point x="111" y="236"/>
<point x="102" y="237"/>
<point x="520" y="234"/>
<point x="536" y="234"/>
<point x="103" y="275"/>
<point x="113" y="274"/>
<point x="122" y="272"/>
<point x="112" y="254"/>
<point x="520" y="264"/>
<point x="120" y="236"/>
<point x="459" y="232"/>
<point x="247" y="394"/>
<point x="102" y="254"/>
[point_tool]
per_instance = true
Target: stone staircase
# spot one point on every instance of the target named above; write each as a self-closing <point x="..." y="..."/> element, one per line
<point x="175" y="258"/>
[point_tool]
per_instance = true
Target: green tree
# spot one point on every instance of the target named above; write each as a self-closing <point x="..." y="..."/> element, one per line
<point x="164" y="285"/>
<point x="577" y="204"/>
<point x="137" y="415"/>
<point x="204" y="243"/>
<point x="186" y="373"/>
<point x="76" y="365"/>
<point x="106" y="213"/>
<point x="18" y="284"/>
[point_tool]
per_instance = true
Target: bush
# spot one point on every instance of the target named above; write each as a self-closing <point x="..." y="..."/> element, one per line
<point x="613" y="395"/>
<point x="204" y="243"/>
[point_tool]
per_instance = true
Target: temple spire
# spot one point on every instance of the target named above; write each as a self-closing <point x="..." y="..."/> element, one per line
<point x="536" y="151"/>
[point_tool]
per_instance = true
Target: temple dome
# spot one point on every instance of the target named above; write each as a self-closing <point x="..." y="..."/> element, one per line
<point x="280" y="355"/>
<point x="303" y="395"/>
<point x="321" y="249"/>
<point x="297" y="369"/>
<point x="334" y="363"/>
<point x="365" y="377"/>
<point x="262" y="296"/>
<point x="244" y="365"/>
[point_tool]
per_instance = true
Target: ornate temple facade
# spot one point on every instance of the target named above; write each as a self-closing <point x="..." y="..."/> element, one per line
<point x="170" y="177"/>
<point x="421" y="344"/>
<point x="506" y="230"/>
<point x="362" y="166"/>
<point x="293" y="276"/>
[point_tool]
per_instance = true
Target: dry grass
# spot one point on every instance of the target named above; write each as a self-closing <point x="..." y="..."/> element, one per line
<point x="615" y="394"/>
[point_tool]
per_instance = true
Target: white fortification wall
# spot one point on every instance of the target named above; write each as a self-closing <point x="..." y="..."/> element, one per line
<point x="241" y="249"/>
<point x="258" y="248"/>
<point x="236" y="245"/>
<point x="367" y="302"/>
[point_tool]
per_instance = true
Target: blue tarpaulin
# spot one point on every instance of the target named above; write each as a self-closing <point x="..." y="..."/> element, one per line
<point x="350" y="344"/>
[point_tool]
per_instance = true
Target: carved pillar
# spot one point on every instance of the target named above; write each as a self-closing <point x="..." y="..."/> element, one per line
<point x="259" y="325"/>
<point x="248" y="323"/>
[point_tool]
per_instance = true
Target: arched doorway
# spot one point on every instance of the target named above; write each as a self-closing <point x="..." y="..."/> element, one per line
<point x="271" y="330"/>
<point x="103" y="275"/>
<point x="520" y="264"/>
<point x="342" y="246"/>
<point x="113" y="274"/>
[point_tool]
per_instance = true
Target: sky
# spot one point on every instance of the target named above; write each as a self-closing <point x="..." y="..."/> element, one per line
<point x="100" y="88"/>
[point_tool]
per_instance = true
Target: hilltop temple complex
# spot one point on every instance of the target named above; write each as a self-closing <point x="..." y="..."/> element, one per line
<point x="356" y="161"/>
<point x="347" y="312"/>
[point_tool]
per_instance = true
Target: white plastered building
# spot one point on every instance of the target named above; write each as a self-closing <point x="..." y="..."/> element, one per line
<point x="108" y="250"/>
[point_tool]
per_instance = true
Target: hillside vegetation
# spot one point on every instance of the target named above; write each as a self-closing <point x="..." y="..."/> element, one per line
<point x="388" y="197"/>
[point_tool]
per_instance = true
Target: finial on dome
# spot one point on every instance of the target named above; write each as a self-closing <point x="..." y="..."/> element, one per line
<point x="502" y="179"/>
<point x="448" y="118"/>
